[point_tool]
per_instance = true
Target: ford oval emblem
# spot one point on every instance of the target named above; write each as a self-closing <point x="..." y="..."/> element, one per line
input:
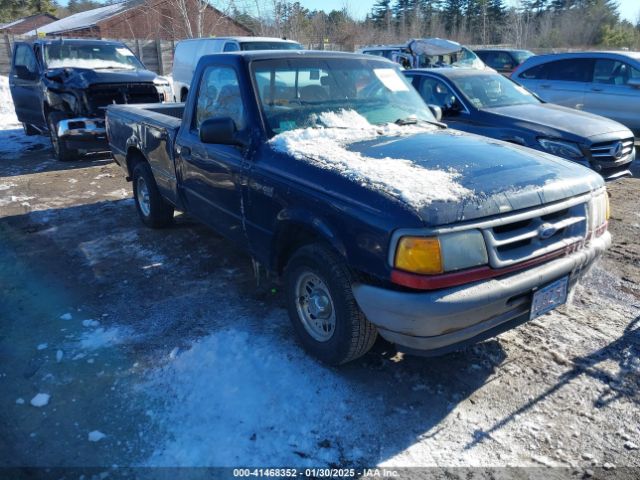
<point x="546" y="231"/>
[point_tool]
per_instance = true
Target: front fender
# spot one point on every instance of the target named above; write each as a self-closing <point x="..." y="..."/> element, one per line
<point x="298" y="224"/>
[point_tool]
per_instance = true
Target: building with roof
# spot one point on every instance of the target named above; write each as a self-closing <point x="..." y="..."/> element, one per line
<point x="145" y="19"/>
<point x="25" y="24"/>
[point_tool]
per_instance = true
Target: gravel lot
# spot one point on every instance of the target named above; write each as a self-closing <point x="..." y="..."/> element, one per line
<point x="163" y="342"/>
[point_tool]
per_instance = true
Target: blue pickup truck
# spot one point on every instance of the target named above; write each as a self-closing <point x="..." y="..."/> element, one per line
<point x="330" y="170"/>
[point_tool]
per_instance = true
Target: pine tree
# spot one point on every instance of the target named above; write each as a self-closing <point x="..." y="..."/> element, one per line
<point x="380" y="12"/>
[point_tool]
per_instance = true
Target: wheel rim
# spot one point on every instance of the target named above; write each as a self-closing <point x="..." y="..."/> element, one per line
<point x="143" y="196"/>
<point x="54" y="137"/>
<point x="315" y="306"/>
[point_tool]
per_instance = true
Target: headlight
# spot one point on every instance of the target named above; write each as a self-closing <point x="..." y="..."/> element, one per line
<point x="163" y="87"/>
<point x="444" y="253"/>
<point x="598" y="211"/>
<point x="560" y="148"/>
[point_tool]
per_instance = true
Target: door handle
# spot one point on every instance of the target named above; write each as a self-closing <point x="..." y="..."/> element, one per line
<point x="546" y="85"/>
<point x="597" y="89"/>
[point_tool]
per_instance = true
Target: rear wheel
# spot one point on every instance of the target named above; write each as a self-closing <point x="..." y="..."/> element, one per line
<point x="60" y="149"/>
<point x="322" y="309"/>
<point x="154" y="211"/>
<point x="183" y="95"/>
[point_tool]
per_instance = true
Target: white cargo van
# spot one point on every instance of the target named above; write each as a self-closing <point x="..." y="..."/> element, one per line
<point x="188" y="52"/>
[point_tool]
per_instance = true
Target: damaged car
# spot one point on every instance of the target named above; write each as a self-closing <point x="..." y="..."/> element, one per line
<point x="427" y="53"/>
<point x="62" y="88"/>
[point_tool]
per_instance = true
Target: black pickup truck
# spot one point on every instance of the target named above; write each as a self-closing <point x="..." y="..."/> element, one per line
<point x="328" y="168"/>
<point x="62" y="87"/>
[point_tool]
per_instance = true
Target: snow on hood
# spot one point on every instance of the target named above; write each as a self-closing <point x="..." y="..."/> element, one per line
<point x="91" y="64"/>
<point x="326" y="146"/>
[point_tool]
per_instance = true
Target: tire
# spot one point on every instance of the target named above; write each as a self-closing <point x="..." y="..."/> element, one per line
<point x="60" y="149"/>
<point x="183" y="95"/>
<point x="30" y="130"/>
<point x="333" y="328"/>
<point x="154" y="211"/>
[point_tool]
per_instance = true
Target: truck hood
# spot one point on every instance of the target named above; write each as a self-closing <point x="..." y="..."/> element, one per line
<point x="501" y="177"/>
<point x="556" y="121"/>
<point x="83" y="77"/>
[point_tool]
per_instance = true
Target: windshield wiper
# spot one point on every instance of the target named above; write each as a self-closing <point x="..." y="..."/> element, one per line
<point x="406" y="121"/>
<point x="414" y="121"/>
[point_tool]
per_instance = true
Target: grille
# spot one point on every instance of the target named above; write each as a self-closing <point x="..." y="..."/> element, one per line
<point x="526" y="236"/>
<point x="605" y="152"/>
<point x="101" y="96"/>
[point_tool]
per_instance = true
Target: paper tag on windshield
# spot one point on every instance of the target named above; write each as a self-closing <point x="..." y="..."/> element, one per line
<point x="125" y="52"/>
<point x="391" y="79"/>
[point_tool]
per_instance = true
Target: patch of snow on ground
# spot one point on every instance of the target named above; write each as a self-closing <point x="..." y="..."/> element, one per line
<point x="244" y="398"/>
<point x="96" y="436"/>
<point x="326" y="147"/>
<point x="14" y="199"/>
<point x="119" y="243"/>
<point x="40" y="400"/>
<point x="101" y="338"/>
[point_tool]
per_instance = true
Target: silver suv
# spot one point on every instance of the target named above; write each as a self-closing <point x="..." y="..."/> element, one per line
<point x="605" y="83"/>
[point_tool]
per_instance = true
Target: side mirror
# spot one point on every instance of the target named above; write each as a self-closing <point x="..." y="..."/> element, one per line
<point x="451" y="105"/>
<point x="634" y="82"/>
<point x="436" y="111"/>
<point x="219" y="130"/>
<point x="23" y="73"/>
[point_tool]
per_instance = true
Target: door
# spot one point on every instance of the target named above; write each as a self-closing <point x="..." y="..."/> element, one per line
<point x="212" y="175"/>
<point x="610" y="94"/>
<point x="563" y="81"/>
<point x="24" y="83"/>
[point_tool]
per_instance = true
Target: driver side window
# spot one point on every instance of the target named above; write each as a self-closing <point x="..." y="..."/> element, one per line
<point x="26" y="58"/>
<point x="435" y="92"/>
<point x="219" y="97"/>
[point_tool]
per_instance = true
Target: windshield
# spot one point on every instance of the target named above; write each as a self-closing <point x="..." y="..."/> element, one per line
<point x="95" y="57"/>
<point x="294" y="92"/>
<point x="492" y="90"/>
<point x="462" y="58"/>
<point x="521" y="55"/>
<point x="270" y="46"/>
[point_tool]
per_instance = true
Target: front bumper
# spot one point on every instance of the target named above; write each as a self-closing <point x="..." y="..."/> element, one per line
<point x="83" y="133"/>
<point x="438" y="321"/>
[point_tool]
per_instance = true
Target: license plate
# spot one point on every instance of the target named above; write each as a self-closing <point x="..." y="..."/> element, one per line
<point x="549" y="297"/>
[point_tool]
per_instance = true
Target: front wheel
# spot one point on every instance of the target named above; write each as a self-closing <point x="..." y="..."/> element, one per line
<point x="154" y="211"/>
<point x="322" y="308"/>
<point x="60" y="149"/>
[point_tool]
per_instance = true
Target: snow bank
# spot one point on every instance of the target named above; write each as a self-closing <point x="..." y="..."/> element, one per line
<point x="325" y="145"/>
<point x="8" y="119"/>
<point x="240" y="398"/>
<point x="93" y="64"/>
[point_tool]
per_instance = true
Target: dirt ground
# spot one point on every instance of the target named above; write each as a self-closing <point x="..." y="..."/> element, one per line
<point x="95" y="308"/>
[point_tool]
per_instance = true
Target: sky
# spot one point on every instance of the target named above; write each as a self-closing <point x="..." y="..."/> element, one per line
<point x="629" y="9"/>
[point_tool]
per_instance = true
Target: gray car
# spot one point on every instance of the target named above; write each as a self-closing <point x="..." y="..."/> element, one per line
<point x="604" y="83"/>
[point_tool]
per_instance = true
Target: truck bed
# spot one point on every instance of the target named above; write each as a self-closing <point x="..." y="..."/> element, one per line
<point x="159" y="114"/>
<point x="150" y="128"/>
